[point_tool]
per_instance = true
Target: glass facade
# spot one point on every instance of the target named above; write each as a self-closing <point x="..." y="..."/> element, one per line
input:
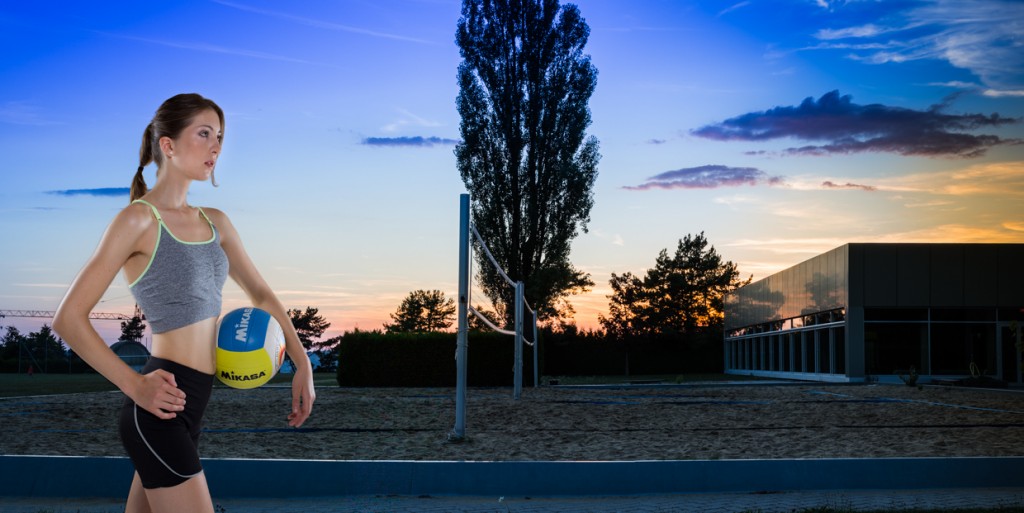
<point x="864" y="311"/>
<point x="816" y="347"/>
<point x="793" y="296"/>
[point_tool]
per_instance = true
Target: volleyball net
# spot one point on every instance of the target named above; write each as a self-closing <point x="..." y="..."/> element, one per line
<point x="468" y="234"/>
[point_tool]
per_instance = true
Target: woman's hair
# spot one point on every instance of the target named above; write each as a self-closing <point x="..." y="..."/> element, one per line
<point x="170" y="120"/>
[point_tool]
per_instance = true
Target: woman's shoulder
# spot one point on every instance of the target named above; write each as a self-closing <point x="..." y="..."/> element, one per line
<point x="220" y="220"/>
<point x="216" y="215"/>
<point x="134" y="217"/>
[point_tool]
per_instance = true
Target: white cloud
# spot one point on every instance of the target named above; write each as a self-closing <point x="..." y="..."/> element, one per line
<point x="996" y="93"/>
<point x="210" y="48"/>
<point x="954" y="232"/>
<point x="809" y="246"/>
<point x="869" y="30"/>
<point x="22" y="113"/>
<point x="408" y="119"/>
<point x="983" y="37"/>
<point x="322" y="24"/>
<point x="733" y="7"/>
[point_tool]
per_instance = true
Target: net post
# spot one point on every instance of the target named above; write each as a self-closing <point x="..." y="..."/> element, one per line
<point x="518" y="378"/>
<point x="536" y="345"/>
<point x="462" y="337"/>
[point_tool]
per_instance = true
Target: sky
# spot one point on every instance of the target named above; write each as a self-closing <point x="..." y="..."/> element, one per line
<point x="780" y="129"/>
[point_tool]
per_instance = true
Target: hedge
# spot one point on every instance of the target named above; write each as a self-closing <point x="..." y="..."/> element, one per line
<point x="375" y="359"/>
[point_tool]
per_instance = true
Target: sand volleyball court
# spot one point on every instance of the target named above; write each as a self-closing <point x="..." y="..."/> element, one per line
<point x="552" y="423"/>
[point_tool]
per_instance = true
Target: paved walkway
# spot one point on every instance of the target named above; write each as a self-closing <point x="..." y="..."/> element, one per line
<point x="698" y="503"/>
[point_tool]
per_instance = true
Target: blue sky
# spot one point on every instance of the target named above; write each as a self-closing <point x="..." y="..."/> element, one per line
<point x="780" y="129"/>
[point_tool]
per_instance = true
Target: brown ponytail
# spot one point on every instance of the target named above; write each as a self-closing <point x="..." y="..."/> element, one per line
<point x="145" y="157"/>
<point x="173" y="116"/>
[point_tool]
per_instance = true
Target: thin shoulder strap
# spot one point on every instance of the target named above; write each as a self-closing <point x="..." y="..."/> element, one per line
<point x="205" y="216"/>
<point x="155" y="211"/>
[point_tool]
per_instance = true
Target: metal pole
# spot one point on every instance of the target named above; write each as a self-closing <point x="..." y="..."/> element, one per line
<point x="462" y="338"/>
<point x="536" y="344"/>
<point x="518" y="377"/>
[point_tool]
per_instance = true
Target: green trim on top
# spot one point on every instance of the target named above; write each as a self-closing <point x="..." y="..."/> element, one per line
<point x="213" y="230"/>
<point x="152" y="256"/>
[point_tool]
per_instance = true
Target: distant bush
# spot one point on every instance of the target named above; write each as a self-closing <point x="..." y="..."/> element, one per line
<point x="587" y="354"/>
<point x="376" y="359"/>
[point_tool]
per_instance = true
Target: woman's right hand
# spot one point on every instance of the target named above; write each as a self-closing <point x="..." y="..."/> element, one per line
<point x="158" y="393"/>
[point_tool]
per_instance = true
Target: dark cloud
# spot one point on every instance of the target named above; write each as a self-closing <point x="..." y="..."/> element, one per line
<point x="832" y="185"/>
<point x="707" y="177"/>
<point x="103" y="191"/>
<point x="408" y="141"/>
<point x="657" y="141"/>
<point x="847" y="127"/>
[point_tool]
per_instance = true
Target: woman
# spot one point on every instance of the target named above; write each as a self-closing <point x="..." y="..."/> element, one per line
<point x="175" y="258"/>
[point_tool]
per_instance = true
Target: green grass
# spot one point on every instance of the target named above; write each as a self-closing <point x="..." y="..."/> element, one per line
<point x="14" y="385"/>
<point x="17" y="385"/>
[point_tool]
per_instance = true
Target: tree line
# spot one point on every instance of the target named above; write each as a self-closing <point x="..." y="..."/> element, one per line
<point x="44" y="351"/>
<point x="683" y="292"/>
<point x="525" y="83"/>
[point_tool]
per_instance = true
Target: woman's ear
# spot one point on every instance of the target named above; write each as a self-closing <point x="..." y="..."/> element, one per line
<point x="167" y="146"/>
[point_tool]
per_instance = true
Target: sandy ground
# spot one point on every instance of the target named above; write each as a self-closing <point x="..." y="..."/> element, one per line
<point x="551" y="423"/>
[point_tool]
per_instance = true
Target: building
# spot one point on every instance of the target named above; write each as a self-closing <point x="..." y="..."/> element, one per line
<point x="876" y="312"/>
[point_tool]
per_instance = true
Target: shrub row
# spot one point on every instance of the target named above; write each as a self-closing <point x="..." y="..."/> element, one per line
<point x="374" y="359"/>
<point x="587" y="355"/>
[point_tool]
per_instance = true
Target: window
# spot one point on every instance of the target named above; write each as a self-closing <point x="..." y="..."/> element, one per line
<point x="895" y="314"/>
<point x="955" y="346"/>
<point x="892" y="348"/>
<point x="840" y="337"/>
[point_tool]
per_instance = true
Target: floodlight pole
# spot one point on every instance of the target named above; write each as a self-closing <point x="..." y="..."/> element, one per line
<point x="462" y="337"/>
<point x="518" y="372"/>
<point x="536" y="345"/>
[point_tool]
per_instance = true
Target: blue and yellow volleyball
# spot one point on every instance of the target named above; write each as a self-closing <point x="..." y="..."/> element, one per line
<point x="250" y="348"/>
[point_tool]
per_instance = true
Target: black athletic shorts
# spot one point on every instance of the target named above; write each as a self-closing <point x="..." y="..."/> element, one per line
<point x="166" y="452"/>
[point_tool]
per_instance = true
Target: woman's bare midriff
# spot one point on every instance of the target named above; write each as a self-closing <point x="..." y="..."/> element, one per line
<point x="193" y="346"/>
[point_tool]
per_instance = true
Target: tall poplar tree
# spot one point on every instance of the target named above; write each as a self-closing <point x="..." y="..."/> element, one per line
<point x="524" y="88"/>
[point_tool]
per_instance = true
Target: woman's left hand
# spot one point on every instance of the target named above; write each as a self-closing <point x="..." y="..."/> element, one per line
<point x="303" y="395"/>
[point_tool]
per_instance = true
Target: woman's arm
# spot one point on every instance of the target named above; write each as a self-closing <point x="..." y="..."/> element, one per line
<point x="156" y="392"/>
<point x="244" y="272"/>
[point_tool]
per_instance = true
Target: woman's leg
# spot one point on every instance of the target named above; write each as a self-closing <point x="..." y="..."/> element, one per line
<point x="137" y="502"/>
<point x="192" y="496"/>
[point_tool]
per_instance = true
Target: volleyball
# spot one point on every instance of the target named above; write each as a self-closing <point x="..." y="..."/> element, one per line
<point x="250" y="348"/>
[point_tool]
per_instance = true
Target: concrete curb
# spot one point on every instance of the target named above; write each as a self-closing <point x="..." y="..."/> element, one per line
<point x="70" y="476"/>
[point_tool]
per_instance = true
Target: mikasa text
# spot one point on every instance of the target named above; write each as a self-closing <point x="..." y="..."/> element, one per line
<point x="243" y="326"/>
<point x="231" y="376"/>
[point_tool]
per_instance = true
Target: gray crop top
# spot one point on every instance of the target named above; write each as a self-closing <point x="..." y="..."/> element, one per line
<point x="183" y="282"/>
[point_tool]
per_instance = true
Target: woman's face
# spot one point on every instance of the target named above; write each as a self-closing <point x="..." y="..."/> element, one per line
<point x="196" y="150"/>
